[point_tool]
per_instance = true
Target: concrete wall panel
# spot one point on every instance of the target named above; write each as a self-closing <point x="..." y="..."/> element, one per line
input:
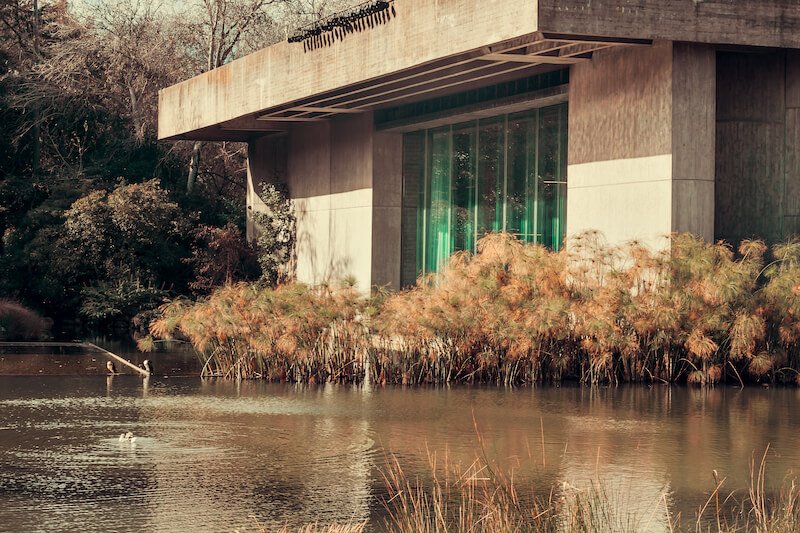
<point x="387" y="191"/>
<point x="309" y="160"/>
<point x="620" y="105"/>
<point x="792" y="79"/>
<point x="351" y="242"/>
<point x="620" y="141"/>
<point x="386" y="259"/>
<point x="750" y="184"/>
<point x="620" y="222"/>
<point x="693" y="138"/>
<point x="351" y="153"/>
<point x="792" y="195"/>
<point x="752" y="181"/>
<point x="624" y="199"/>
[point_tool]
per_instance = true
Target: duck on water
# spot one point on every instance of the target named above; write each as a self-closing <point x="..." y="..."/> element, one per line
<point x="127" y="437"/>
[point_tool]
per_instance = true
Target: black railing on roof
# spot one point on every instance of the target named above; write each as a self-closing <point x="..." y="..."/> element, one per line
<point x="338" y="25"/>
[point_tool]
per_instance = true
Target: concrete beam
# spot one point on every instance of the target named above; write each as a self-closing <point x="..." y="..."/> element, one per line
<point x="421" y="32"/>
<point x="756" y="23"/>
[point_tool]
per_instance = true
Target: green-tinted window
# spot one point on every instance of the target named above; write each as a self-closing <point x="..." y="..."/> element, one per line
<point x="506" y="173"/>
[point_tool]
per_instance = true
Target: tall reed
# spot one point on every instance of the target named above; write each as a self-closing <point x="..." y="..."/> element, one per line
<point x="515" y="313"/>
<point x="290" y="333"/>
<point x="484" y="498"/>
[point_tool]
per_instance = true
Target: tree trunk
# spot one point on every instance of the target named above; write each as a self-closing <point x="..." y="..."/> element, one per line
<point x="36" y="149"/>
<point x="194" y="165"/>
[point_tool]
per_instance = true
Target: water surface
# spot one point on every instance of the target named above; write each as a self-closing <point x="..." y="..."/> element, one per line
<point x="210" y="454"/>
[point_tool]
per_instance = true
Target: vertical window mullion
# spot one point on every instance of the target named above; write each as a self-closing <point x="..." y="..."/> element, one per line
<point x="505" y="171"/>
<point x="426" y="204"/>
<point x="476" y="183"/>
<point x="537" y="233"/>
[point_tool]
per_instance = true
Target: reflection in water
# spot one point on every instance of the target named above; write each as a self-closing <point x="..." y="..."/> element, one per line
<point x="209" y="454"/>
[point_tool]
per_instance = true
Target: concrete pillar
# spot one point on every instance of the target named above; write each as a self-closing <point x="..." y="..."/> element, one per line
<point x="641" y="143"/>
<point x="751" y="189"/>
<point x="694" y="82"/>
<point x="266" y="162"/>
<point x="387" y="192"/>
<point x="791" y="225"/>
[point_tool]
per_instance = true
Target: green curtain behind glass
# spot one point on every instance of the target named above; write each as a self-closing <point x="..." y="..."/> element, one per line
<point x="507" y="174"/>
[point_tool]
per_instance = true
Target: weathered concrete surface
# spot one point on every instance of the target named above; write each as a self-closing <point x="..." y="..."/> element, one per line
<point x="694" y="84"/>
<point x="756" y="23"/>
<point x="758" y="145"/>
<point x="266" y="162"/>
<point x="641" y="144"/>
<point x="345" y="183"/>
<point x="421" y="31"/>
<point x="387" y="191"/>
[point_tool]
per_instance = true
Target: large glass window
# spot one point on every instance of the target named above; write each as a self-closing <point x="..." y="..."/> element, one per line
<point x="463" y="181"/>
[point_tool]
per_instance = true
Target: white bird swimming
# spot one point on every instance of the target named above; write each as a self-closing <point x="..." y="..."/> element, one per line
<point x="123" y="437"/>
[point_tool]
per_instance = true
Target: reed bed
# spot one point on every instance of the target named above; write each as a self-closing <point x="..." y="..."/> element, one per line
<point x="484" y="498"/>
<point x="516" y="313"/>
<point x="291" y="333"/>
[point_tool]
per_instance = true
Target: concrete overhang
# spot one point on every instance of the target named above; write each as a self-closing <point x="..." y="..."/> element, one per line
<point x="421" y="49"/>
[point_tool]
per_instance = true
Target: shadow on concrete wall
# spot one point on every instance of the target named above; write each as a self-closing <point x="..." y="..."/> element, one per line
<point x="324" y="268"/>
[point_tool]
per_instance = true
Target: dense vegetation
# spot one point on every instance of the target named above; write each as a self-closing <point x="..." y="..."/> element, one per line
<point x="517" y="313"/>
<point x="98" y="221"/>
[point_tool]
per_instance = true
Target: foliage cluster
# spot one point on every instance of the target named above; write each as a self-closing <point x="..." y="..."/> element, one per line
<point x="516" y="313"/>
<point x="18" y="323"/>
<point x="276" y="223"/>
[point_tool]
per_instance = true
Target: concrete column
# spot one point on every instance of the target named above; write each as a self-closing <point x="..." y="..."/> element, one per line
<point x="694" y="86"/>
<point x="751" y="189"/>
<point x="641" y="143"/>
<point x="266" y="162"/>
<point x="387" y="191"/>
<point x="791" y="224"/>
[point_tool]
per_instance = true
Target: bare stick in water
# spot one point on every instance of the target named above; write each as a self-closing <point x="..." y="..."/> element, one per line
<point x="117" y="358"/>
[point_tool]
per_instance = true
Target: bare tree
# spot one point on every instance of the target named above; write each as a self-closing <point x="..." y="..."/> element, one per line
<point x="229" y="29"/>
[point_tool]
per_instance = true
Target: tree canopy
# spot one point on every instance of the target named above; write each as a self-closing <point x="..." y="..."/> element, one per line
<point x="98" y="220"/>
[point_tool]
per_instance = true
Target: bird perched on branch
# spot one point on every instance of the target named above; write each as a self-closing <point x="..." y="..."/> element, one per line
<point x="111" y="367"/>
<point x="147" y="366"/>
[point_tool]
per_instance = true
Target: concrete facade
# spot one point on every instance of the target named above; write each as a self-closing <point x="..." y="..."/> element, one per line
<point x="682" y="116"/>
<point x="641" y="143"/>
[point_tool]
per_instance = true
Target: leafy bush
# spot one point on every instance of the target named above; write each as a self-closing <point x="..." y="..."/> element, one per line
<point x="20" y="323"/>
<point x="275" y="241"/>
<point x="221" y="256"/>
<point x="123" y="299"/>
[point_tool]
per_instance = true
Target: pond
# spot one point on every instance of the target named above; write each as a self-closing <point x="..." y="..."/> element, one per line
<point x="210" y="455"/>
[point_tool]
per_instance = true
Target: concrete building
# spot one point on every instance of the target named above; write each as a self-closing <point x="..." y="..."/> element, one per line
<point x="408" y="133"/>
